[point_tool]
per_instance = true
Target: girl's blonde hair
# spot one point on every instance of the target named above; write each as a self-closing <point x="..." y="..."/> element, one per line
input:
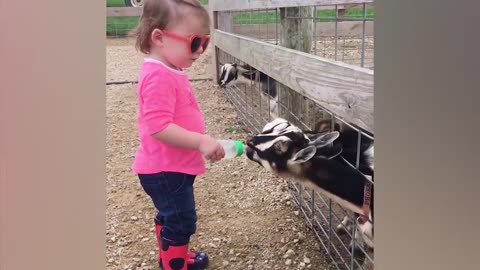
<point x="162" y="14"/>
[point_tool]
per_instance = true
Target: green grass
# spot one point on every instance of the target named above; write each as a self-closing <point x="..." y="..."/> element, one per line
<point x="120" y="26"/>
<point x="115" y="3"/>
<point x="322" y="15"/>
<point x="233" y="129"/>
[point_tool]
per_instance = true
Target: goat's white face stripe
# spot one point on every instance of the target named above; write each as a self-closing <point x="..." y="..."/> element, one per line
<point x="264" y="146"/>
<point x="280" y="126"/>
<point x="282" y="123"/>
<point x="222" y="70"/>
<point x="229" y="69"/>
<point x="281" y="131"/>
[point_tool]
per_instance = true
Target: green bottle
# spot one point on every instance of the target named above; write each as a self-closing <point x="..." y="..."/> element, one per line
<point x="232" y="148"/>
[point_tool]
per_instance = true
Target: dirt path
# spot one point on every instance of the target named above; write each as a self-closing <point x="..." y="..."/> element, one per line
<point x="245" y="217"/>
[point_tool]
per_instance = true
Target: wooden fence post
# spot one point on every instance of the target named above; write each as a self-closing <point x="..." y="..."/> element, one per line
<point x="222" y="21"/>
<point x="214" y="25"/>
<point x="296" y="32"/>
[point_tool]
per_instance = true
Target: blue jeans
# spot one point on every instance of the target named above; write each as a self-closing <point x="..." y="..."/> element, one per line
<point x="172" y="195"/>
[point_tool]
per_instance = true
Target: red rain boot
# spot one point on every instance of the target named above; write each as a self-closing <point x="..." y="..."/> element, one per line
<point x="195" y="260"/>
<point x="158" y="229"/>
<point x="175" y="256"/>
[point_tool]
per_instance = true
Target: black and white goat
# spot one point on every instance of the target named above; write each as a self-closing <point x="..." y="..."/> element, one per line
<point x="234" y="73"/>
<point x="317" y="160"/>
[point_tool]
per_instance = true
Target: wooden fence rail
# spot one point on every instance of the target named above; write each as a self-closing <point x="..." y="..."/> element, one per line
<point x="345" y="90"/>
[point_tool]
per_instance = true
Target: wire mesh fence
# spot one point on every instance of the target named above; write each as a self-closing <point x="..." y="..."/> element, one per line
<point x="343" y="33"/>
<point x="253" y="104"/>
<point x="338" y="32"/>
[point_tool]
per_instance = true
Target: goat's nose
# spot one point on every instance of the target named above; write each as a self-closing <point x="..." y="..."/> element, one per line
<point x="249" y="140"/>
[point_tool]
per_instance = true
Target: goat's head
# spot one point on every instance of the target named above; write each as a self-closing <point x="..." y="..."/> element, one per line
<point x="282" y="147"/>
<point x="228" y="73"/>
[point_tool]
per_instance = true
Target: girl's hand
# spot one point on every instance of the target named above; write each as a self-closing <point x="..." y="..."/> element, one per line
<point x="211" y="149"/>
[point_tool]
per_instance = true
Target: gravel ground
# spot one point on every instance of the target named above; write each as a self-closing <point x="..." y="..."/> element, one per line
<point x="246" y="218"/>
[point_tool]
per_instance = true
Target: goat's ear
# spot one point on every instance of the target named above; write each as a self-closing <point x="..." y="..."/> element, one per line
<point x="249" y="72"/>
<point x="312" y="135"/>
<point x="304" y="155"/>
<point x="325" y="139"/>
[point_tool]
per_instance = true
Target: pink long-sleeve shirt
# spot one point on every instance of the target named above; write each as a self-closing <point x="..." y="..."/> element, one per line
<point x="165" y="96"/>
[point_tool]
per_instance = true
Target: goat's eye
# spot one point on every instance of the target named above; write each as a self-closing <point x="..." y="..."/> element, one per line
<point x="281" y="147"/>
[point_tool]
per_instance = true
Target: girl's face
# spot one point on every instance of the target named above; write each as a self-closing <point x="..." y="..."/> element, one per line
<point x="183" y="43"/>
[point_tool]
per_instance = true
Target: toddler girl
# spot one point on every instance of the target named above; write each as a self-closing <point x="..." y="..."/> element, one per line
<point x="173" y="143"/>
